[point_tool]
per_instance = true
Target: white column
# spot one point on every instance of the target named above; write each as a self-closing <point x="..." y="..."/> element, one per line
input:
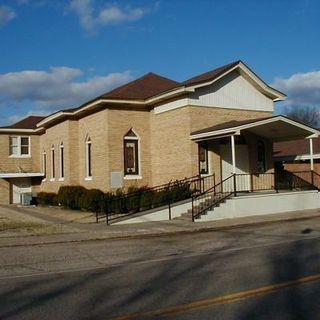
<point x="311" y="154"/>
<point x="233" y="152"/>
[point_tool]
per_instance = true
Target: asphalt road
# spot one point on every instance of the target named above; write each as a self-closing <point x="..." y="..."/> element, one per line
<point x="266" y="272"/>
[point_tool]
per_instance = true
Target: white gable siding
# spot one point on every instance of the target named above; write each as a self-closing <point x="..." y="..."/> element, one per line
<point x="233" y="91"/>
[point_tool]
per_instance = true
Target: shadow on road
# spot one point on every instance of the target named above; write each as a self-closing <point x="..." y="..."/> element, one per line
<point x="299" y="302"/>
<point x="123" y="289"/>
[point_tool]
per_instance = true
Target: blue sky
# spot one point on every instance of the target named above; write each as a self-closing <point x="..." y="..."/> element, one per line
<point x="58" y="54"/>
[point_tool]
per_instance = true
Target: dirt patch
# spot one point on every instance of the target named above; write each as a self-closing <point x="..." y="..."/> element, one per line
<point x="69" y="216"/>
<point x="15" y="223"/>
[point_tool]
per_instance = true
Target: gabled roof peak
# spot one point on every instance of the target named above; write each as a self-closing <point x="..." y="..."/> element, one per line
<point x="142" y="88"/>
<point x="210" y="75"/>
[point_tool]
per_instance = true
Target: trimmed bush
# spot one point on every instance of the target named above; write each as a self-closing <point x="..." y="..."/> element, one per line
<point x="71" y="196"/>
<point x="92" y="200"/>
<point x="147" y="199"/>
<point x="47" y="199"/>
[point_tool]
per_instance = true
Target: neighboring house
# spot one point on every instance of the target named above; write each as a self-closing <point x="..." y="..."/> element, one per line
<point x="148" y="132"/>
<point x="296" y="155"/>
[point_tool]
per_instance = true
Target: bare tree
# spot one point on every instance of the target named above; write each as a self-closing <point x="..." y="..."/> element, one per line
<point x="307" y="115"/>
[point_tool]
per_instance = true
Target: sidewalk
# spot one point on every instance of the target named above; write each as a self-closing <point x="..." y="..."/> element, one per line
<point x="153" y="229"/>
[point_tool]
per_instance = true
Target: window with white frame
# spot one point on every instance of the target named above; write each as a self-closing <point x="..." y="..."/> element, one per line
<point x="53" y="169"/>
<point x="131" y="154"/>
<point x="88" y="158"/>
<point x="44" y="163"/>
<point x="19" y="146"/>
<point x="203" y="158"/>
<point x="61" y="161"/>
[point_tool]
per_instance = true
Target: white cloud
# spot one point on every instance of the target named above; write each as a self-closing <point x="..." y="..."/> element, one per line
<point x="90" y="19"/>
<point x="303" y="89"/>
<point x="48" y="91"/>
<point x="6" y="15"/>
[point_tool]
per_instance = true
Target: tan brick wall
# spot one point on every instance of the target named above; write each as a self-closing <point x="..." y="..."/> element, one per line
<point x="203" y="117"/>
<point x="16" y="164"/>
<point x="170" y="145"/>
<point x="4" y="191"/>
<point x="120" y="121"/>
<point x="166" y="151"/>
<point x="174" y="155"/>
<point x="94" y="126"/>
<point x="64" y="132"/>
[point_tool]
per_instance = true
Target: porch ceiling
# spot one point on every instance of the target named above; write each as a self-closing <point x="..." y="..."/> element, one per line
<point x="276" y="128"/>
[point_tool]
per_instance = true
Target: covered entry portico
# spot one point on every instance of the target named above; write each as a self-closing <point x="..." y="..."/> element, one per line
<point x="246" y="146"/>
<point x="246" y="151"/>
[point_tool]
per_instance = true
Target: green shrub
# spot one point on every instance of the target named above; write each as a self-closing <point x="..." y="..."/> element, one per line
<point x="47" y="199"/>
<point x="180" y="191"/>
<point x="147" y="199"/>
<point x="160" y="198"/>
<point x="71" y="196"/>
<point x="92" y="200"/>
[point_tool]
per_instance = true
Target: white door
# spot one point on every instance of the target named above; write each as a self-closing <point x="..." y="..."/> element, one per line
<point x="242" y="166"/>
<point x="19" y="186"/>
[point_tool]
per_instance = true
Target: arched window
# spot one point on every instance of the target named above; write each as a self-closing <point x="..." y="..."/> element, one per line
<point x="131" y="153"/>
<point x="261" y="150"/>
<point x="44" y="163"/>
<point x="61" y="161"/>
<point x="88" y="158"/>
<point x="53" y="170"/>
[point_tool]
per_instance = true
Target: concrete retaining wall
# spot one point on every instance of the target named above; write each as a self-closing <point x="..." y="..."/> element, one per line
<point x="254" y="205"/>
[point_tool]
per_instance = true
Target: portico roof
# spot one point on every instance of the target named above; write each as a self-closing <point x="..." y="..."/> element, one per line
<point x="276" y="128"/>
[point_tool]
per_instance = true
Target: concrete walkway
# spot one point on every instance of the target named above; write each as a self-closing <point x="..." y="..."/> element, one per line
<point x="95" y="232"/>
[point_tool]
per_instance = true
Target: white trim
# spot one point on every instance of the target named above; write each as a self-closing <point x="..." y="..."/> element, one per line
<point x="132" y="177"/>
<point x="19" y="147"/>
<point x="21" y="175"/>
<point x="231" y="130"/>
<point x="61" y="179"/>
<point x="233" y="155"/>
<point x="17" y="156"/>
<point x="21" y="130"/>
<point x="137" y="137"/>
<point x="52" y="179"/>
<point x="259" y="83"/>
<point x="311" y="154"/>
<point x="52" y="163"/>
<point x="44" y="163"/>
<point x="88" y="178"/>
<point x="88" y="142"/>
<point x="61" y="163"/>
<point x="307" y="156"/>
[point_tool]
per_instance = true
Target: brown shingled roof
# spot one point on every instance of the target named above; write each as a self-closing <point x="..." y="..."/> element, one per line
<point x="26" y="123"/>
<point x="210" y="75"/>
<point x="143" y="88"/>
<point x="227" y="125"/>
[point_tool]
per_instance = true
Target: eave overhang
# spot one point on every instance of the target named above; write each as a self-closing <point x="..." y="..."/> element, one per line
<point x="278" y="128"/>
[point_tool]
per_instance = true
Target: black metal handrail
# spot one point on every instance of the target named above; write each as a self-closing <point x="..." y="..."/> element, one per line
<point x="117" y="207"/>
<point x="213" y="196"/>
<point x="297" y="180"/>
<point x="252" y="182"/>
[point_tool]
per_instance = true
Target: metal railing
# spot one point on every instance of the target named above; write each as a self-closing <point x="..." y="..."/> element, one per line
<point x="115" y="208"/>
<point x="301" y="180"/>
<point x="212" y="197"/>
<point x="252" y="182"/>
